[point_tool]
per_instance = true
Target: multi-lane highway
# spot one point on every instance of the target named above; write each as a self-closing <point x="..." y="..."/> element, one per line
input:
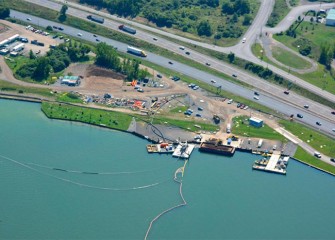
<point x="241" y="50"/>
<point x="288" y="104"/>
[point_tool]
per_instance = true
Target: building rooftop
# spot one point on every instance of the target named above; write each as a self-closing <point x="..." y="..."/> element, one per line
<point x="331" y="14"/>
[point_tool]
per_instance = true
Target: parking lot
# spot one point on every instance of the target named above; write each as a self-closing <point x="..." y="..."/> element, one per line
<point x="13" y="29"/>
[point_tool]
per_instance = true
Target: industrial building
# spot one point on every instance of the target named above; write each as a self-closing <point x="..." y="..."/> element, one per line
<point x="256" y="122"/>
<point x="330" y="19"/>
<point x="9" y="40"/>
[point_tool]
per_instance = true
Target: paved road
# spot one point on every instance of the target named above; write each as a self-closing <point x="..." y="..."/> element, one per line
<point x="242" y="50"/>
<point x="280" y="104"/>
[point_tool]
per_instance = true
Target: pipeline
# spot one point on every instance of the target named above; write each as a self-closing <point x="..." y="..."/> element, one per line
<point x="86" y="172"/>
<point x="81" y="184"/>
<point x="184" y="203"/>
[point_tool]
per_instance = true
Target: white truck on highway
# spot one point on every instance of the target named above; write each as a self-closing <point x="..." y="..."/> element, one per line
<point x="136" y="51"/>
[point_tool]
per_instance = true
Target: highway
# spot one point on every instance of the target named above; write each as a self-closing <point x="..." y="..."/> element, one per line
<point x="292" y="106"/>
<point x="242" y="50"/>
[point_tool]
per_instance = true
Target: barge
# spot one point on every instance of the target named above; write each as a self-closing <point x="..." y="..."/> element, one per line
<point x="183" y="150"/>
<point x="214" y="145"/>
<point x="160" y="148"/>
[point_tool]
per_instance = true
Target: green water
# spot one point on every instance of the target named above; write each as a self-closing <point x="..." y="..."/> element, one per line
<point x="226" y="199"/>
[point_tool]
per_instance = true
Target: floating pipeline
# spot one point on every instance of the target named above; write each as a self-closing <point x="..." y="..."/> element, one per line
<point x="184" y="203"/>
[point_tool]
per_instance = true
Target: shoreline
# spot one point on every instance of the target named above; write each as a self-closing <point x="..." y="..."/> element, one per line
<point x="31" y="99"/>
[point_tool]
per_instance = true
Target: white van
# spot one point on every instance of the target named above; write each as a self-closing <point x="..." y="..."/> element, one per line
<point x="228" y="128"/>
<point x="260" y="143"/>
<point x="181" y="47"/>
<point x="317" y="154"/>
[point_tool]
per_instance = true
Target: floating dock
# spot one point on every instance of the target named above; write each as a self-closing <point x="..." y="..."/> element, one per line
<point x="160" y="148"/>
<point x="276" y="164"/>
<point x="214" y="145"/>
<point x="183" y="150"/>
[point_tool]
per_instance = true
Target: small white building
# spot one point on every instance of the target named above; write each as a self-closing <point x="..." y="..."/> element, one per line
<point x="330" y="19"/>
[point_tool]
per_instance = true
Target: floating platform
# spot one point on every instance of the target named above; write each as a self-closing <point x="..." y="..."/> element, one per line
<point x="214" y="145"/>
<point x="160" y="148"/>
<point x="276" y="164"/>
<point x="183" y="150"/>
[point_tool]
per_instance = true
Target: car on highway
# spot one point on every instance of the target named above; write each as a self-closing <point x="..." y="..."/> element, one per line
<point x="333" y="112"/>
<point x="213" y="81"/>
<point x="60" y="28"/>
<point x="332" y="159"/>
<point x="170" y="62"/>
<point x="208" y="64"/>
<point x="318" y="123"/>
<point x="181" y="48"/>
<point x="94" y="35"/>
<point x="79" y="34"/>
<point x="187" y="53"/>
<point x="256" y="97"/>
<point x="159" y="75"/>
<point x="306" y="106"/>
<point x="286" y="92"/>
<point x="97" y="40"/>
<point x="155" y="39"/>
<point x="299" y="115"/>
<point x="333" y="129"/>
<point x="244" y="40"/>
<point x="234" y="75"/>
<point x="55" y="27"/>
<point x="28" y="19"/>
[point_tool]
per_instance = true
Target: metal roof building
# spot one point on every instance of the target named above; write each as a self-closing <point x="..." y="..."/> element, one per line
<point x="330" y="19"/>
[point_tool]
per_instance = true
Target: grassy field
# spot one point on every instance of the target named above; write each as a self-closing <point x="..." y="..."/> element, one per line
<point x="110" y="119"/>
<point x="68" y="97"/>
<point x="280" y="10"/>
<point x="189" y="125"/>
<point x="317" y="140"/>
<point x="315" y="33"/>
<point x="289" y="59"/>
<point x="13" y="88"/>
<point x="304" y="156"/>
<point x="179" y="108"/>
<point x="241" y="127"/>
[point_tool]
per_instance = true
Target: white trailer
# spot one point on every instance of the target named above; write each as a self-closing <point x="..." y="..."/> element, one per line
<point x="18" y="47"/>
<point x="136" y="51"/>
<point x="260" y="143"/>
<point x="13" y="38"/>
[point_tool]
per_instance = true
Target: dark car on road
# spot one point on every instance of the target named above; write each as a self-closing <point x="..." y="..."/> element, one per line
<point x="256" y="93"/>
<point x="159" y="76"/>
<point x="318" y="123"/>
<point x="332" y="159"/>
<point x="286" y="92"/>
<point x="170" y="62"/>
<point x="299" y="115"/>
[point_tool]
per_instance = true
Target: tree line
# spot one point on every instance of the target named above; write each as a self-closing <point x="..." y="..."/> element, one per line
<point x="107" y="57"/>
<point x="194" y="16"/>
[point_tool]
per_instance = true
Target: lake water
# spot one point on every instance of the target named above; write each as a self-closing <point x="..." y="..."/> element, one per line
<point x="226" y="199"/>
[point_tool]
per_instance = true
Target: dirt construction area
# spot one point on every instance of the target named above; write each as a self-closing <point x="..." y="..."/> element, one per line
<point x="12" y="29"/>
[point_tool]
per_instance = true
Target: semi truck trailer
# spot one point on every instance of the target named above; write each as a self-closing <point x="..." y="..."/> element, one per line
<point x="136" y="51"/>
<point x="96" y="19"/>
<point x="127" y="29"/>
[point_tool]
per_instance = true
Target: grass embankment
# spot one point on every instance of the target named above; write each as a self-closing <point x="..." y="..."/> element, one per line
<point x="13" y="88"/>
<point x="305" y="157"/>
<point x="122" y="37"/>
<point x="110" y="119"/>
<point x="289" y="59"/>
<point x="241" y="127"/>
<point x="317" y="140"/>
<point x="280" y="10"/>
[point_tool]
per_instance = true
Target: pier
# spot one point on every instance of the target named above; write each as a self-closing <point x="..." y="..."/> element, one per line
<point x="276" y="164"/>
<point x="183" y="150"/>
<point x="160" y="148"/>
